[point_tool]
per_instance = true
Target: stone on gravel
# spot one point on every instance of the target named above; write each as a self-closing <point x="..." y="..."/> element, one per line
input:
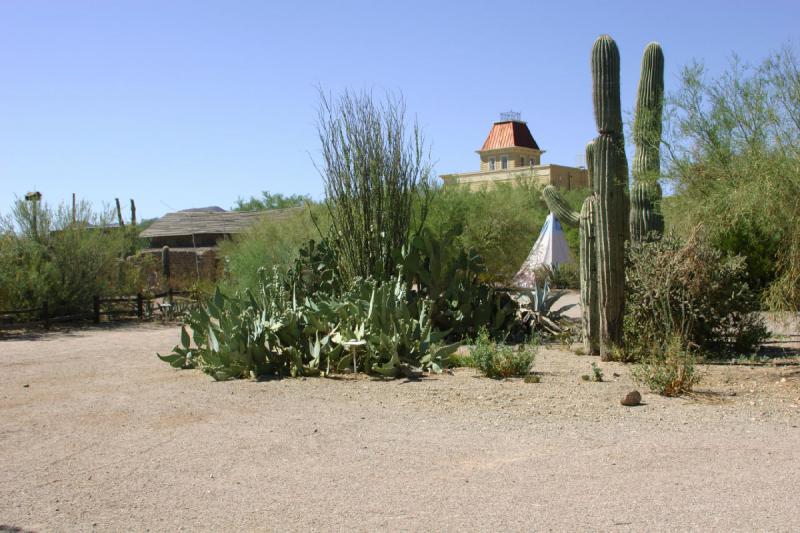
<point x="631" y="399"/>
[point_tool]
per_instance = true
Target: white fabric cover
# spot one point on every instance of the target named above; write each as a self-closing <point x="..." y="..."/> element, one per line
<point x="550" y="249"/>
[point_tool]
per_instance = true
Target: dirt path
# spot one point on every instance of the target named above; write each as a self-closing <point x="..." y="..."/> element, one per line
<point x="97" y="434"/>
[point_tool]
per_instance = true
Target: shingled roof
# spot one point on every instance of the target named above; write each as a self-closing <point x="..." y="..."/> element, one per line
<point x="509" y="134"/>
<point x="210" y="222"/>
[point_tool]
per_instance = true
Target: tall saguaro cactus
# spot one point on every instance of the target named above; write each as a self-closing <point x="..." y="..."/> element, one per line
<point x="646" y="220"/>
<point x="609" y="216"/>
<point x="610" y="185"/>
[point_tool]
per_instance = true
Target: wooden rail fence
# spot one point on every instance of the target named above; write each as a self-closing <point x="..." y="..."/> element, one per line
<point x="115" y="306"/>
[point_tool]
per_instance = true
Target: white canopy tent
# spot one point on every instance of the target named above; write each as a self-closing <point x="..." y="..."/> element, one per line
<point x="550" y="249"/>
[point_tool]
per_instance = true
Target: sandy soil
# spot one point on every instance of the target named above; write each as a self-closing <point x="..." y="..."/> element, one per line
<point x="97" y="434"/>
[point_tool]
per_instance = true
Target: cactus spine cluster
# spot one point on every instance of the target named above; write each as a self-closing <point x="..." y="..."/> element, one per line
<point x="610" y="186"/>
<point x="646" y="221"/>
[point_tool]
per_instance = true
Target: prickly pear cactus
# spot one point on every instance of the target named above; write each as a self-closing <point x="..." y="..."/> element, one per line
<point x="610" y="185"/>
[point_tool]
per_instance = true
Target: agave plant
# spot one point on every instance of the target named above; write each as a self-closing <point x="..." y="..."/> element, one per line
<point x="536" y="309"/>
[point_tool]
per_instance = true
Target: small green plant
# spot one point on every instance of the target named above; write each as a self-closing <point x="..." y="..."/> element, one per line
<point x="501" y="361"/>
<point x="597" y="373"/>
<point x="532" y="378"/>
<point x="670" y="371"/>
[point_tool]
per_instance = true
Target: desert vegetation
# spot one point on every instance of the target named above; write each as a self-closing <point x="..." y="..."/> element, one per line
<point x="344" y="287"/>
<point x="389" y="272"/>
<point x="65" y="256"/>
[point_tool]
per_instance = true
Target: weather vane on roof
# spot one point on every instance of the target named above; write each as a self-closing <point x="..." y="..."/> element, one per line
<point x="510" y="115"/>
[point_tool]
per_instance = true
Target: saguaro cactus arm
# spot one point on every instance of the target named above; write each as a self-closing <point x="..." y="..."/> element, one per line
<point x="559" y="207"/>
<point x="648" y="114"/>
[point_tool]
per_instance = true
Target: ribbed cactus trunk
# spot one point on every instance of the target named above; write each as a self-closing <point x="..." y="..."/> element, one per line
<point x="588" y="273"/>
<point x="646" y="219"/>
<point x="165" y="266"/>
<point x="610" y="185"/>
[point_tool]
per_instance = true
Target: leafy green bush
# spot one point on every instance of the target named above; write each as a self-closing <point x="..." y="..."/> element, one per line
<point x="272" y="242"/>
<point x="44" y="256"/>
<point x="501" y="360"/>
<point x="270" y="201"/>
<point x="668" y="370"/>
<point x="733" y="164"/>
<point x="689" y="289"/>
<point x="499" y="224"/>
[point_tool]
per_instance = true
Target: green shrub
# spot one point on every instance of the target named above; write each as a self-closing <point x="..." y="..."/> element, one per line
<point x="692" y="290"/>
<point x="499" y="224"/>
<point x="272" y="242"/>
<point x="501" y="360"/>
<point x="45" y="256"/>
<point x="668" y="370"/>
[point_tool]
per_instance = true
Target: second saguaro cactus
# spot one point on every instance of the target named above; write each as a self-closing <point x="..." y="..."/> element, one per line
<point x="610" y="186"/>
<point x="646" y="219"/>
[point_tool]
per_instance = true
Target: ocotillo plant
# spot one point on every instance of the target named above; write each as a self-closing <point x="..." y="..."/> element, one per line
<point x="646" y="220"/>
<point x="610" y="186"/>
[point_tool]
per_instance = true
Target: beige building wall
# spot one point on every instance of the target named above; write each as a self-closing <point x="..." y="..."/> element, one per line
<point x="557" y="175"/>
<point x="518" y="157"/>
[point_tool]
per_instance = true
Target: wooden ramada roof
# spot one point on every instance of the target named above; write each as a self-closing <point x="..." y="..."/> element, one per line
<point x="210" y="222"/>
<point x="509" y="134"/>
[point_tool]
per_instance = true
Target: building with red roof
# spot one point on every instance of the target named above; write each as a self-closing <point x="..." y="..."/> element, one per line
<point x="511" y="154"/>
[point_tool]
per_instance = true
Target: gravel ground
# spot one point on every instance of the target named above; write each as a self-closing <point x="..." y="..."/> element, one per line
<point x="97" y="434"/>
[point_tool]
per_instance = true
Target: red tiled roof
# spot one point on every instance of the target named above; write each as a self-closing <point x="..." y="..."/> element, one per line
<point x="509" y="134"/>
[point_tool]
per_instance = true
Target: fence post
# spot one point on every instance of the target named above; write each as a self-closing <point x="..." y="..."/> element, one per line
<point x="139" y="306"/>
<point x="96" y="305"/>
<point x="45" y="315"/>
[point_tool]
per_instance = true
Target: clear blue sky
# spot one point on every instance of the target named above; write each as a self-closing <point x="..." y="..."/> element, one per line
<point x="193" y="103"/>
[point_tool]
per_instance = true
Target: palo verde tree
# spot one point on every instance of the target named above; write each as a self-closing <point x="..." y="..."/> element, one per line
<point x="374" y="167"/>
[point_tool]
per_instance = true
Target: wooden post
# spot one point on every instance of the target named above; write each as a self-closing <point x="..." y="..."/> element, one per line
<point x="74" y="210"/>
<point x="139" y="306"/>
<point x="45" y="315"/>
<point x="133" y="213"/>
<point x="96" y="305"/>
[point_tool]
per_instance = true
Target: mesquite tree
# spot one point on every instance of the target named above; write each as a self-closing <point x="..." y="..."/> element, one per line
<point x="374" y="167"/>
